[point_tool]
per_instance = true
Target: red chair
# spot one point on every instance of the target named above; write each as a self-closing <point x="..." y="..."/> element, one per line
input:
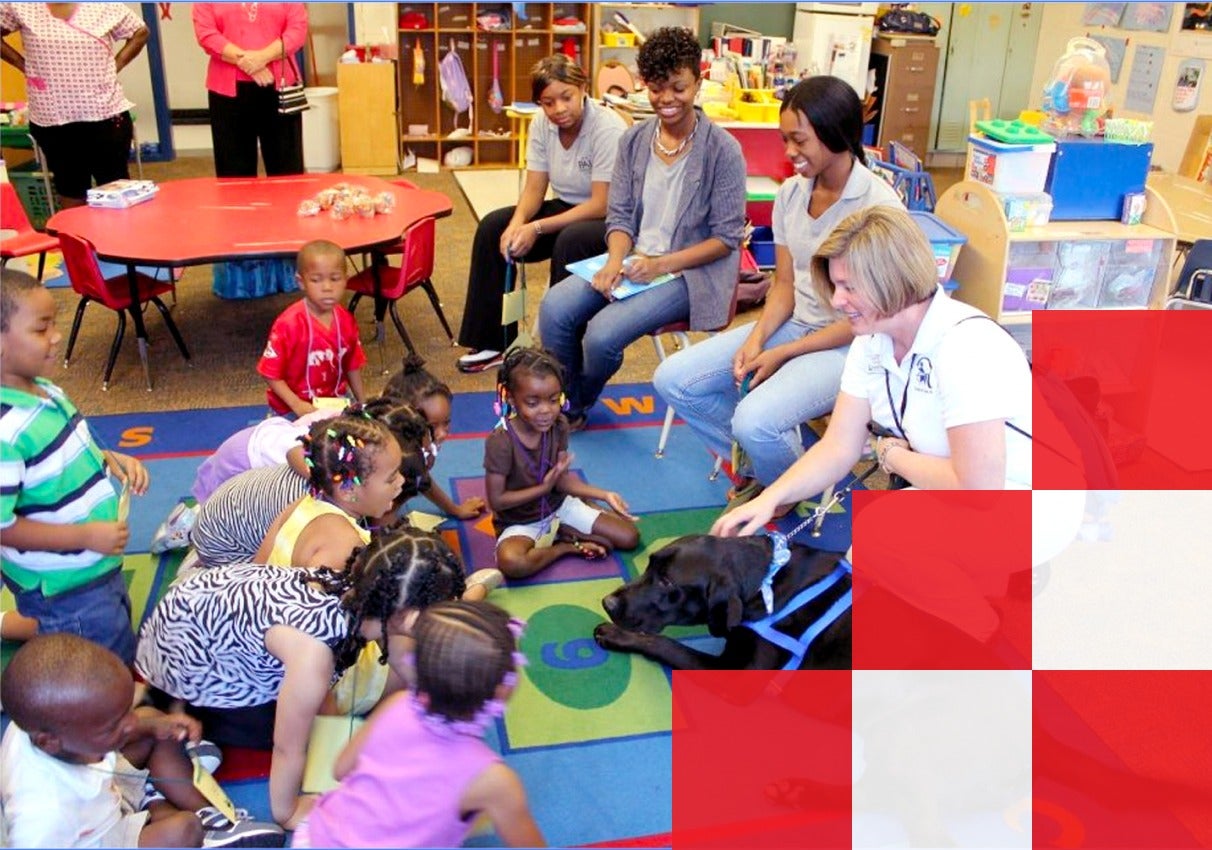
<point x="386" y="283"/>
<point x="114" y="293"/>
<point x="26" y="241"/>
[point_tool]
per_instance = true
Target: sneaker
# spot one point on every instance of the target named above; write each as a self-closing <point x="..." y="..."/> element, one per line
<point x="173" y="533"/>
<point x="489" y="577"/>
<point x="245" y="832"/>
<point x="478" y="361"/>
<point x="207" y="754"/>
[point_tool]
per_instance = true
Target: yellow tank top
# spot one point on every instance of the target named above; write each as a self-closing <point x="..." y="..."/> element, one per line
<point x="310" y="508"/>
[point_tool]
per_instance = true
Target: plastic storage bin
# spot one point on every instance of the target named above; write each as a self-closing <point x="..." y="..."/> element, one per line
<point x="761" y="245"/>
<point x="946" y="242"/>
<point x="1009" y="168"/>
<point x="756" y="106"/>
<point x="1033" y="209"/>
<point x="1089" y="178"/>
<point x="31" y="189"/>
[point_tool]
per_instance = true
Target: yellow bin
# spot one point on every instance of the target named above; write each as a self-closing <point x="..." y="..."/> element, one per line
<point x="756" y="106"/>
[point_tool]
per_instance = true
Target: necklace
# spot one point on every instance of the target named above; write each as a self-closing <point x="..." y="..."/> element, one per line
<point x="671" y="152"/>
<point x="250" y="9"/>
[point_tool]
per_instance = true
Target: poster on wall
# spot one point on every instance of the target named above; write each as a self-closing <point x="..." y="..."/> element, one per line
<point x="1116" y="48"/>
<point x="1144" y="78"/>
<point x="1150" y="17"/>
<point x="1102" y="14"/>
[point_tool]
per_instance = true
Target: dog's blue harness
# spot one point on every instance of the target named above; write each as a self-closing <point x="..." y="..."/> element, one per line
<point x="765" y="627"/>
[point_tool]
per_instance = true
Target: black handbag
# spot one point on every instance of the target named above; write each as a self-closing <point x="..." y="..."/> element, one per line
<point x="292" y="98"/>
<point x="908" y="23"/>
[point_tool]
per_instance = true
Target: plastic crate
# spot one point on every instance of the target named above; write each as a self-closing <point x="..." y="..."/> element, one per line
<point x="1016" y="169"/>
<point x="31" y="189"/>
<point x="761" y="245"/>
<point x="945" y="240"/>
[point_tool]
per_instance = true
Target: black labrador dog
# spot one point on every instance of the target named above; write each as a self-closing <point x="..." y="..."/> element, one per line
<point x="700" y="579"/>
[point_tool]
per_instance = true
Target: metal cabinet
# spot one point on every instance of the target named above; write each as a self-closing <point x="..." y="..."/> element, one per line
<point x="909" y="68"/>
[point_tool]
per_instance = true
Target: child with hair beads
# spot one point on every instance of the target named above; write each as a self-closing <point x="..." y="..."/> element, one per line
<point x="261" y="685"/>
<point x="414" y="385"/>
<point x="466" y="668"/>
<point x="63" y="538"/>
<point x="78" y="762"/>
<point x="268" y="443"/>
<point x="526" y="465"/>
<point x="314" y="349"/>
<point x="355" y="478"/>
<point x="233" y="521"/>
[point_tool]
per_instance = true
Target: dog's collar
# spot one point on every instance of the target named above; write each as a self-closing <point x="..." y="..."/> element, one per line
<point x="778" y="560"/>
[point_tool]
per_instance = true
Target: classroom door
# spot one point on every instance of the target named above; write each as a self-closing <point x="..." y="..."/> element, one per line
<point x="977" y="34"/>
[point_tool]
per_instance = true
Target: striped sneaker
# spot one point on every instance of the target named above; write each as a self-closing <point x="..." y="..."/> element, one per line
<point x="244" y="832"/>
<point x="207" y="754"/>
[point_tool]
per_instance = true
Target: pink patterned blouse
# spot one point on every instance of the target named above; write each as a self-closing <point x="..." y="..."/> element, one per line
<point x="69" y="64"/>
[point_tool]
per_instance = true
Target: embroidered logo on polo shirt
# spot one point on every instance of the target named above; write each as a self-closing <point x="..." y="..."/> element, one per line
<point x="923" y="374"/>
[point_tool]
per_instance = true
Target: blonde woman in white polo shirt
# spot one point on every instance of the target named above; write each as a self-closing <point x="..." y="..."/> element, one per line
<point x="953" y="386"/>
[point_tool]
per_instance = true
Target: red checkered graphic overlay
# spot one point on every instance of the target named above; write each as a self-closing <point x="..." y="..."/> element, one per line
<point x="761" y="760"/>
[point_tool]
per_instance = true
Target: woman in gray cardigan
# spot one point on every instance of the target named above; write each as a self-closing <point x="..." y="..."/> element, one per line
<point x="675" y="215"/>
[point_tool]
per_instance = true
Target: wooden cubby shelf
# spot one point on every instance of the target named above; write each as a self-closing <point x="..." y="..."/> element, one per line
<point x="492" y="136"/>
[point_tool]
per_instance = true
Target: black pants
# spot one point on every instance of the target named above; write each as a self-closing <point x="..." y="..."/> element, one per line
<point x="481" y="327"/>
<point x="238" y="123"/>
<point x="84" y="151"/>
<point x="251" y="727"/>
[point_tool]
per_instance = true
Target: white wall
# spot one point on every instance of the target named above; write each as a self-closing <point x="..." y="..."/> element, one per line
<point x="1063" y="21"/>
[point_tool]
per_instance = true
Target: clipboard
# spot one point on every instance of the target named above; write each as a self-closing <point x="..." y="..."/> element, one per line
<point x="586" y="269"/>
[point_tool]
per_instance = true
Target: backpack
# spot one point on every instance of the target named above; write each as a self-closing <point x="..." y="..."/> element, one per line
<point x="456" y="91"/>
<point x="752" y="282"/>
<point x="897" y="20"/>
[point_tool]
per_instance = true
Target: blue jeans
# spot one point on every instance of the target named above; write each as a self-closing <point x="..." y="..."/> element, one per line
<point x="99" y="611"/>
<point x="587" y="333"/>
<point x="697" y="382"/>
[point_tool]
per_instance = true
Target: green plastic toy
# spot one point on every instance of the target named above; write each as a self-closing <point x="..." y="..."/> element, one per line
<point x="1014" y="132"/>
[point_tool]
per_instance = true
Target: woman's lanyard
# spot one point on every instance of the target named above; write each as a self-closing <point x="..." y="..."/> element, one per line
<point x="899" y="417"/>
<point x="336" y="320"/>
<point x="538" y="468"/>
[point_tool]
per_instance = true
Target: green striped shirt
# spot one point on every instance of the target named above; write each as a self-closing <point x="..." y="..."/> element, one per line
<point x="52" y="471"/>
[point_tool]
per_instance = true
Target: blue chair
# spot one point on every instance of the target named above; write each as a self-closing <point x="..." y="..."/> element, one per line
<point x="1194" y="289"/>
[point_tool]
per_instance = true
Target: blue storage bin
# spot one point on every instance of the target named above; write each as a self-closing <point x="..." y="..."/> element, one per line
<point x="1088" y="178"/>
<point x="761" y="245"/>
<point x="945" y="240"/>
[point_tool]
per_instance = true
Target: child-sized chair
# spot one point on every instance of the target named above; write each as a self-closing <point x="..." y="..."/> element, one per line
<point x="25" y="240"/>
<point x="386" y="283"/>
<point x="86" y="277"/>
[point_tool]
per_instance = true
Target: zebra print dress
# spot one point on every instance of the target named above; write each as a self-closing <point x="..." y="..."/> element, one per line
<point x="205" y="641"/>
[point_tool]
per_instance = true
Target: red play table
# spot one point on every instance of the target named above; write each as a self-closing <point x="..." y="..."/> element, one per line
<point x="207" y="219"/>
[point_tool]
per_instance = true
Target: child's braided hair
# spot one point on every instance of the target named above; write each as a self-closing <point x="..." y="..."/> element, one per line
<point x="339" y="452"/>
<point x="400" y="568"/>
<point x="410" y="429"/>
<point x="413" y="384"/>
<point x="464" y="651"/>
<point x="522" y="360"/>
